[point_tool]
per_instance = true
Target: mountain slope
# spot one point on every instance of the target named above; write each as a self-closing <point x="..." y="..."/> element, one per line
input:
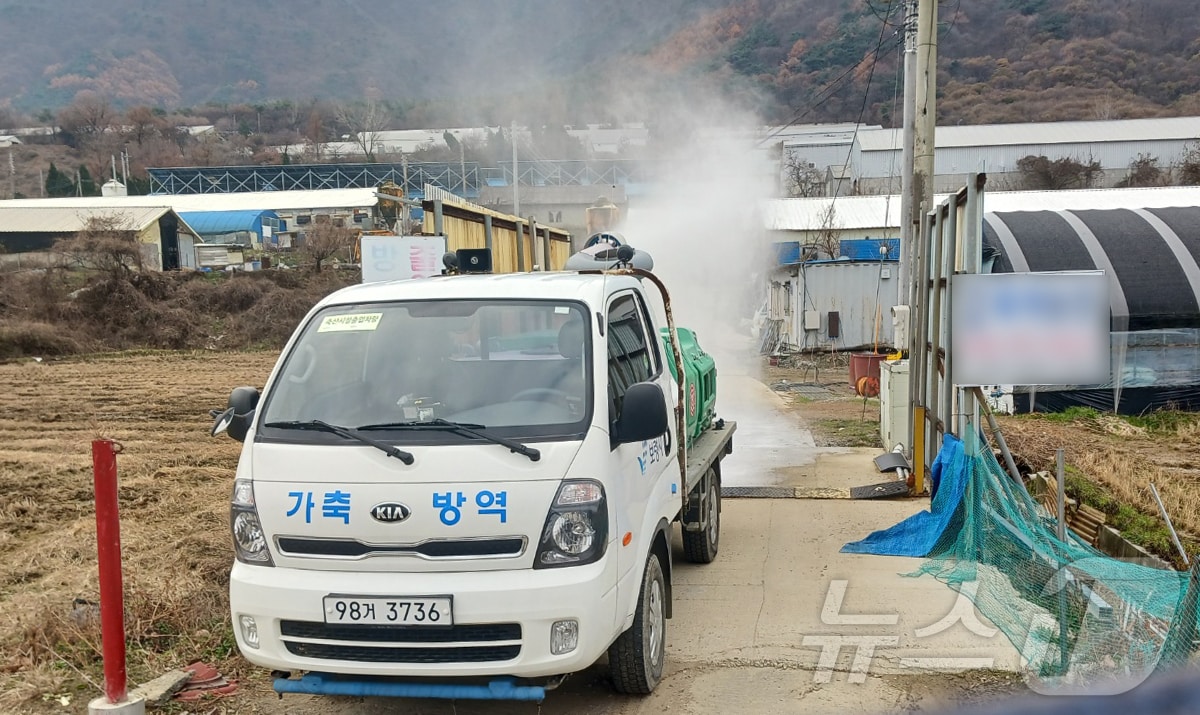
<point x="166" y="53"/>
<point x="1000" y="60"/>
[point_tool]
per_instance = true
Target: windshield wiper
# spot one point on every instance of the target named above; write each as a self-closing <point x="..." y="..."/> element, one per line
<point x="463" y="427"/>
<point x="346" y="432"/>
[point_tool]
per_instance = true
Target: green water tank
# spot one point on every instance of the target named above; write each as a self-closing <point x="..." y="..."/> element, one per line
<point x="700" y="380"/>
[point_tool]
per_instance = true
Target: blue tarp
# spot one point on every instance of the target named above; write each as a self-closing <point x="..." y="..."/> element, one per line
<point x="867" y="249"/>
<point x="855" y="250"/>
<point x="917" y="535"/>
<point x="215" y="223"/>
<point x="787" y="252"/>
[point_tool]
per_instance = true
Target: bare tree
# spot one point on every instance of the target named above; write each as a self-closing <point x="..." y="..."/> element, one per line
<point x="323" y="240"/>
<point x="86" y="118"/>
<point x="144" y="123"/>
<point x="1105" y="107"/>
<point x="1144" y="171"/>
<point x="106" y="244"/>
<point x="314" y="131"/>
<point x="828" y="239"/>
<point x="802" y="178"/>
<point x="1043" y="173"/>
<point x="1189" y="166"/>
<point x="365" y="122"/>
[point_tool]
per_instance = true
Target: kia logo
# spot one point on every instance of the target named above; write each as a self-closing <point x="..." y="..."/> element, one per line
<point x="390" y="512"/>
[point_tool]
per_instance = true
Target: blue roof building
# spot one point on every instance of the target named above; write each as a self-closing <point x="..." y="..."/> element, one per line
<point x="247" y="228"/>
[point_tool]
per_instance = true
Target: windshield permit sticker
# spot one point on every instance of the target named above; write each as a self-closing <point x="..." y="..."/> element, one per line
<point x="349" y="322"/>
<point x="562" y="310"/>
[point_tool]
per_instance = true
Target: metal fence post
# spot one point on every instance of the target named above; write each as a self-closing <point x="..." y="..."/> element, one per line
<point x="112" y="597"/>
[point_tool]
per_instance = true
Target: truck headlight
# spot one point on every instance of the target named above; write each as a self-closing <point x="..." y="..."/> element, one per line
<point x="249" y="539"/>
<point x="576" y="528"/>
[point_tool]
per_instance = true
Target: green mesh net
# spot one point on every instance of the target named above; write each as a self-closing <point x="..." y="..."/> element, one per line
<point x="1080" y="619"/>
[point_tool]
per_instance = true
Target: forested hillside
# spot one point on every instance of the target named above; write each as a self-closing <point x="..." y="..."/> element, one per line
<point x="477" y="61"/>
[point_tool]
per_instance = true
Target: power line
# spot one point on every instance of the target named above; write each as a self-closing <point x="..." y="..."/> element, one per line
<point x="884" y="18"/>
<point x="863" y="108"/>
<point x="827" y="92"/>
<point x="895" y="135"/>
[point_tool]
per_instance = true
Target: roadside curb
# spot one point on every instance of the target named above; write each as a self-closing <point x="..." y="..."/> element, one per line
<point x="785" y="493"/>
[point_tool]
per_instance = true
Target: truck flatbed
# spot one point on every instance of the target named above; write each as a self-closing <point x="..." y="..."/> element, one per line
<point x="710" y="446"/>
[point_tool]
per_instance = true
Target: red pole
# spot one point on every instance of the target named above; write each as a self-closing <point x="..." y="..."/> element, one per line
<point x="108" y="543"/>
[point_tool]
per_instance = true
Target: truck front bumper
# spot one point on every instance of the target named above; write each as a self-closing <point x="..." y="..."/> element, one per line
<point x="502" y="621"/>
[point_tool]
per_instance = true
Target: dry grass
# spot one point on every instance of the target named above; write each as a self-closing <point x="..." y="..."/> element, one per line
<point x="60" y="312"/>
<point x="1123" y="457"/>
<point x="174" y="492"/>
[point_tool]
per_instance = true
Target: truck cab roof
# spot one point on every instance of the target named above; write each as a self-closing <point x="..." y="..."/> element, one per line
<point x="591" y="288"/>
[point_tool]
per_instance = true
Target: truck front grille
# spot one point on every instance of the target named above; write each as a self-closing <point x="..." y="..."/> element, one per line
<point x="467" y="654"/>
<point x="436" y="549"/>
<point x="464" y="643"/>
<point x="464" y="633"/>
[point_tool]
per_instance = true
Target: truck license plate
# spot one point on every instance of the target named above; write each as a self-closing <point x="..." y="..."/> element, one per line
<point x="394" y="610"/>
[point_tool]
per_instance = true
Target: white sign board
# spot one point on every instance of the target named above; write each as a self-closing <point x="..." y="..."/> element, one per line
<point x="390" y="258"/>
<point x="1030" y="328"/>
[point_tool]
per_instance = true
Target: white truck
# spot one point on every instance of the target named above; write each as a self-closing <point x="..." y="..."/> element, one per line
<point x="464" y="486"/>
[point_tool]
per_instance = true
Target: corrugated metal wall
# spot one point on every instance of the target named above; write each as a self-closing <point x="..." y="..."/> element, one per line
<point x="862" y="294"/>
<point x="150" y="243"/>
<point x="1000" y="159"/>
<point x="463" y="226"/>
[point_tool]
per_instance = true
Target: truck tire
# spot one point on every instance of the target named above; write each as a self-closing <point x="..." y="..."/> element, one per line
<point x="637" y="657"/>
<point x="700" y="547"/>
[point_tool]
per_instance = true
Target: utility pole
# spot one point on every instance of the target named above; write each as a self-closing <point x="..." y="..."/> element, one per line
<point x="925" y="121"/>
<point x="906" y="194"/>
<point x="404" y="168"/>
<point x="920" y="92"/>
<point x="516" y="174"/>
<point x="462" y="166"/>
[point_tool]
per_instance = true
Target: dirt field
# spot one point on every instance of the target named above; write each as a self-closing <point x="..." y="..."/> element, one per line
<point x="174" y="498"/>
<point x="835" y="414"/>
<point x="1111" y="462"/>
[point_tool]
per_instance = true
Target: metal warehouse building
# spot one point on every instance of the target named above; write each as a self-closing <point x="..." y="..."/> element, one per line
<point x="1152" y="245"/>
<point x="28" y="233"/>
<point x="292" y="210"/>
<point x="873" y="154"/>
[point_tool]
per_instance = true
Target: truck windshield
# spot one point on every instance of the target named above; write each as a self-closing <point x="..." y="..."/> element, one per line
<point x="517" y="368"/>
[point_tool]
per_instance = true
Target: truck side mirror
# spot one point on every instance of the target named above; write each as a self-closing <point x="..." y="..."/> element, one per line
<point x="236" y="418"/>
<point x="643" y="414"/>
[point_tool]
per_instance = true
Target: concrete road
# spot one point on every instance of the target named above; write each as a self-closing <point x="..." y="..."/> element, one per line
<point x="769" y="439"/>
<point x="781" y="622"/>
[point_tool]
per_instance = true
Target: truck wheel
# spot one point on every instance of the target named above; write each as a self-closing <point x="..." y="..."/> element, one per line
<point x="700" y="547"/>
<point x="637" y="657"/>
